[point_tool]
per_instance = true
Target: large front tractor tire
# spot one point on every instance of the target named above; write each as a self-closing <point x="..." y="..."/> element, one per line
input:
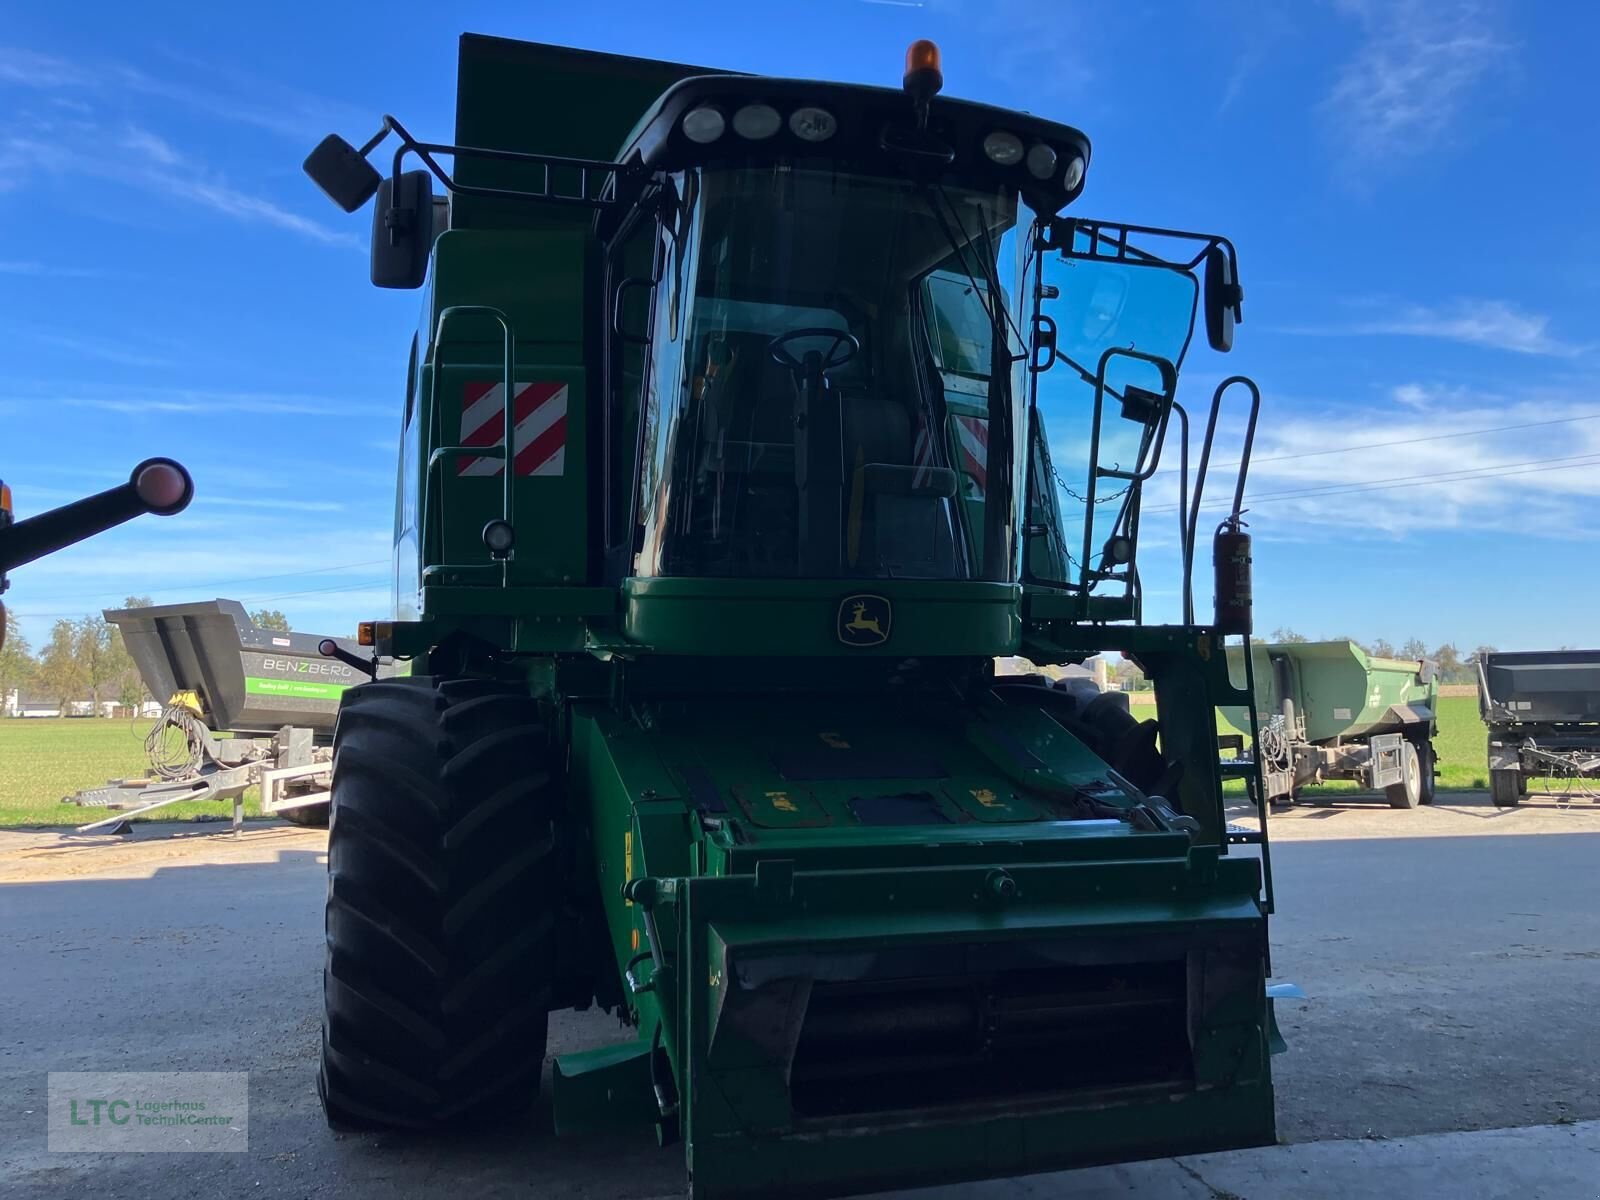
<point x="442" y="889"/>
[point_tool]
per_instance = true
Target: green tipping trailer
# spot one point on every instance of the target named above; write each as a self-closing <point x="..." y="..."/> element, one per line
<point x="1333" y="711"/>
<point x="726" y="475"/>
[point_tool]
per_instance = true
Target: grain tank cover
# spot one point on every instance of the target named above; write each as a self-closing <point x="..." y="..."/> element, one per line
<point x="1555" y="686"/>
<point x="249" y="679"/>
<point x="539" y="99"/>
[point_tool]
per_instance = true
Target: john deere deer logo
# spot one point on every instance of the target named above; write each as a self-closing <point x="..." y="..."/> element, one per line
<point x="864" y="620"/>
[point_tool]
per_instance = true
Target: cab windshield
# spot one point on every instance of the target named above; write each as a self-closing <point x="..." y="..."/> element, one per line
<point x="829" y="380"/>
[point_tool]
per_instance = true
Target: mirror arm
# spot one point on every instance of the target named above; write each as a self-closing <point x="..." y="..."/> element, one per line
<point x="1185" y="532"/>
<point x="425" y="152"/>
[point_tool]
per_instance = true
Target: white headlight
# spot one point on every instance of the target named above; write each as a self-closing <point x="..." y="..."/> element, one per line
<point x="813" y="124"/>
<point x="757" y="121"/>
<point x="1074" y="173"/>
<point x="703" y="125"/>
<point x="1003" y="148"/>
<point x="1041" y="161"/>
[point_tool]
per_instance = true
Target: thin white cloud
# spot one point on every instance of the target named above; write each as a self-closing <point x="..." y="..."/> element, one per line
<point x="51" y="270"/>
<point x="140" y="158"/>
<point x="236" y="98"/>
<point x="160" y="402"/>
<point x="1051" y="45"/>
<point x="272" y="503"/>
<point x="243" y="206"/>
<point x="1417" y="66"/>
<point x="1412" y="395"/>
<point x="98" y="348"/>
<point x="1454" y="460"/>
<point x="1496" y="324"/>
<point x="153" y="147"/>
<point x="26" y="68"/>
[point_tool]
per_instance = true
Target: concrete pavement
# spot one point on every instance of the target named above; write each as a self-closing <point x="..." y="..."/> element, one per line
<point x="1451" y="960"/>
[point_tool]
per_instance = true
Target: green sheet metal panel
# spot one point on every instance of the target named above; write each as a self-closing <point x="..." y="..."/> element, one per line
<point x="537" y="279"/>
<point x="541" y="99"/>
<point x="813" y="616"/>
<point x="1337" y="687"/>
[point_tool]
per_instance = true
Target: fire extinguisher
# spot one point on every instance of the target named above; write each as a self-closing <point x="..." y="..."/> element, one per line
<point x="1230" y="562"/>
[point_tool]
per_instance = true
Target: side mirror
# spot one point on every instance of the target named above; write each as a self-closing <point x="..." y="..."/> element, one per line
<point x="1224" y="298"/>
<point x="402" y="230"/>
<point x="339" y="169"/>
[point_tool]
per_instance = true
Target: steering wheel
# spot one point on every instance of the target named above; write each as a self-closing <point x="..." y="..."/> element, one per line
<point x="842" y="347"/>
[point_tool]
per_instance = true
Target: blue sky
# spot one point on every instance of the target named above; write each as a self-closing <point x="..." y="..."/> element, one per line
<point x="1412" y="187"/>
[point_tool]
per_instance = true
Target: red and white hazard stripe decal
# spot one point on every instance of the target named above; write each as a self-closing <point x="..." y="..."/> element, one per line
<point x="972" y="438"/>
<point x="972" y="435"/>
<point x="540" y="443"/>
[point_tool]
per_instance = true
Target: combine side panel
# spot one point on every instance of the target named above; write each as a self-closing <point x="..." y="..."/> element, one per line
<point x="464" y="405"/>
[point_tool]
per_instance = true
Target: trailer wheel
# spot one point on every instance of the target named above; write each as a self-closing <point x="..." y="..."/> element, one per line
<point x="1408" y="791"/>
<point x="1505" y="788"/>
<point x="1425" y="767"/>
<point x="442" y="886"/>
<point x="312" y="816"/>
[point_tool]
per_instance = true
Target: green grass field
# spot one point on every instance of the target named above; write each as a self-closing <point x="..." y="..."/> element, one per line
<point x="44" y="759"/>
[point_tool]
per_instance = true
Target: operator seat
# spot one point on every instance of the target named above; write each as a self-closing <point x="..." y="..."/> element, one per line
<point x="889" y="532"/>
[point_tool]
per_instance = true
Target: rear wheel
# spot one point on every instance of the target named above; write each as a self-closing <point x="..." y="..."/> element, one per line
<point x="1505" y="788"/>
<point x="1408" y="791"/>
<point x="1425" y="769"/>
<point x="442" y="886"/>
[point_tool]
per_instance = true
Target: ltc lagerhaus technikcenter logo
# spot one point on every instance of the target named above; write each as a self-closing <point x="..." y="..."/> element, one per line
<point x="181" y="1112"/>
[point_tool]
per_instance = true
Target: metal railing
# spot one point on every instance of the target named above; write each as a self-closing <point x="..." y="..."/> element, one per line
<point x="433" y="489"/>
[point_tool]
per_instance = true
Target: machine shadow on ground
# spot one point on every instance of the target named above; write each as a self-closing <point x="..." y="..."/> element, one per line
<point x="216" y="966"/>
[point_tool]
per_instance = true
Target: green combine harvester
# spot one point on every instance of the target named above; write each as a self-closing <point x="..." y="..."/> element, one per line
<point x="724" y="479"/>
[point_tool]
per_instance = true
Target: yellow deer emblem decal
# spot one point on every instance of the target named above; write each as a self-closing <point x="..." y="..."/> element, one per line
<point x="864" y="620"/>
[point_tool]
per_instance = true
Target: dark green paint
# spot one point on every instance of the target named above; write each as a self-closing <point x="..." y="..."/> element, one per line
<point x="800" y="616"/>
<point x="731" y="751"/>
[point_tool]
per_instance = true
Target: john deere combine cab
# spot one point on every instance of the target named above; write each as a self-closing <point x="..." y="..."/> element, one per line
<point x="724" y="479"/>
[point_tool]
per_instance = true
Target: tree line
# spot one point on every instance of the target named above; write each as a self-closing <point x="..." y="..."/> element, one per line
<point x="1452" y="666"/>
<point x="84" y="659"/>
